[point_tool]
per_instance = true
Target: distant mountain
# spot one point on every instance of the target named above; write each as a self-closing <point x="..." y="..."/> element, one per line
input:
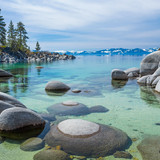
<point x="112" y="51"/>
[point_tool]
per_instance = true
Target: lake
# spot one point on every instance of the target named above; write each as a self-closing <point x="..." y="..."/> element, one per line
<point x="132" y="108"/>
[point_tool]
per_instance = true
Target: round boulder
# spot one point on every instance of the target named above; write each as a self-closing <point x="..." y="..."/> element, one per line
<point x="56" y="86"/>
<point x="51" y="155"/>
<point x="68" y="108"/>
<point x="4" y="73"/>
<point x="32" y="144"/>
<point x="132" y="70"/>
<point x="98" y="109"/>
<point x="149" y="148"/>
<point x="84" y="138"/>
<point x="20" y="123"/>
<point x="118" y="74"/>
<point x="10" y="100"/>
<point x="150" y="63"/>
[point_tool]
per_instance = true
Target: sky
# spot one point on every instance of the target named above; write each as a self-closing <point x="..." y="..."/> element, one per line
<point x="86" y="24"/>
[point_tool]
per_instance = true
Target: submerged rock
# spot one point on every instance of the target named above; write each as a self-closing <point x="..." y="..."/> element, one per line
<point x="56" y="86"/>
<point x="150" y="63"/>
<point x="51" y="155"/>
<point x="98" y="109"/>
<point x="20" y="123"/>
<point x="84" y="138"/>
<point x="150" y="148"/>
<point x="68" y="108"/>
<point x="76" y="91"/>
<point x="4" y="73"/>
<point x="118" y="74"/>
<point x="32" y="144"/>
<point x="122" y="154"/>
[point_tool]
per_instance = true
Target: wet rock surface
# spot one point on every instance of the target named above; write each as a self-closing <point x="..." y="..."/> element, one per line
<point x="104" y="142"/>
<point x="150" y="148"/>
<point x="20" y="123"/>
<point x="51" y="155"/>
<point x="32" y="144"/>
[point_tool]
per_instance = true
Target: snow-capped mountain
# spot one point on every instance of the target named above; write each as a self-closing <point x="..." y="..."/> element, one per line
<point x="112" y="51"/>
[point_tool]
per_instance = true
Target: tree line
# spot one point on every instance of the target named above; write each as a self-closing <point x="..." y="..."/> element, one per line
<point x="14" y="37"/>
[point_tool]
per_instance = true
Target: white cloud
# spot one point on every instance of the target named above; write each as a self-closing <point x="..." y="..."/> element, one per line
<point x="85" y="20"/>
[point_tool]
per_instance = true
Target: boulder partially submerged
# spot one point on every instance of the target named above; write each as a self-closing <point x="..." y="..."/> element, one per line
<point x="7" y="101"/>
<point x="20" y="123"/>
<point x="84" y="138"/>
<point x="149" y="148"/>
<point x="4" y="73"/>
<point x="56" y="86"/>
<point x="68" y="108"/>
<point x="118" y="74"/>
<point x="150" y="63"/>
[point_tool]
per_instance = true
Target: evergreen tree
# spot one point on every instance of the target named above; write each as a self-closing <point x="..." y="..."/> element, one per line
<point x="22" y="37"/>
<point x="11" y="38"/>
<point x="2" y="30"/>
<point x="38" y="48"/>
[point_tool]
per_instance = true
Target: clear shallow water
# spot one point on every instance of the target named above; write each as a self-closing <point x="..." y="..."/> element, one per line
<point x="133" y="109"/>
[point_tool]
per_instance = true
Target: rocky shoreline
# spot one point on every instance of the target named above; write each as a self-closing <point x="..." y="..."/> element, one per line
<point x="7" y="57"/>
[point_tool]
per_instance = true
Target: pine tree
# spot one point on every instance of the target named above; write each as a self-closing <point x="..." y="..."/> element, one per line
<point x="11" y="37"/>
<point x="2" y="30"/>
<point x="38" y="48"/>
<point x="22" y="37"/>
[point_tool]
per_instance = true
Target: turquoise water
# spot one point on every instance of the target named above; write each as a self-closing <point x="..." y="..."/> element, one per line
<point x="132" y="108"/>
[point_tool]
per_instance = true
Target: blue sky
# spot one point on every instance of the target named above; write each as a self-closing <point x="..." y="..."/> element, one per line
<point x="87" y="24"/>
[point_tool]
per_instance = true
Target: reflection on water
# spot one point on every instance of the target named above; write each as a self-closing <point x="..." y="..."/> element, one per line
<point x="118" y="83"/>
<point x="149" y="95"/>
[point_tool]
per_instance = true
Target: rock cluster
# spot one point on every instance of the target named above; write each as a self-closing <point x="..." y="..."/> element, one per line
<point x="84" y="138"/>
<point x="118" y="74"/>
<point x="7" y="101"/>
<point x="36" y="57"/>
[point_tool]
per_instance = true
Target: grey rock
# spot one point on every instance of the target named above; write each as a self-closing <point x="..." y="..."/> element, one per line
<point x="105" y="142"/>
<point x="150" y="63"/>
<point x="4" y="105"/>
<point x="122" y="154"/>
<point x="149" y="148"/>
<point x="132" y="70"/>
<point x="119" y="75"/>
<point x="157" y="88"/>
<point x="11" y="100"/>
<point x="32" y="144"/>
<point x="76" y="90"/>
<point x="51" y="155"/>
<point x="64" y="110"/>
<point x="98" y="109"/>
<point x="132" y="75"/>
<point x="143" y="80"/>
<point x="155" y="81"/>
<point x="56" y="86"/>
<point x="4" y="73"/>
<point x="20" y="123"/>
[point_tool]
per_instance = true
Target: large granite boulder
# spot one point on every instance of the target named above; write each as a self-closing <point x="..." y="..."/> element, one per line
<point x="150" y="80"/>
<point x="20" y="123"/>
<point x="56" y="86"/>
<point x="132" y="70"/>
<point x="150" y="63"/>
<point x="51" y="155"/>
<point x="11" y="100"/>
<point x="84" y="138"/>
<point x="149" y="148"/>
<point x="157" y="88"/>
<point x="4" y="73"/>
<point x="7" y="101"/>
<point x="68" y="108"/>
<point x="32" y="144"/>
<point x="118" y="74"/>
